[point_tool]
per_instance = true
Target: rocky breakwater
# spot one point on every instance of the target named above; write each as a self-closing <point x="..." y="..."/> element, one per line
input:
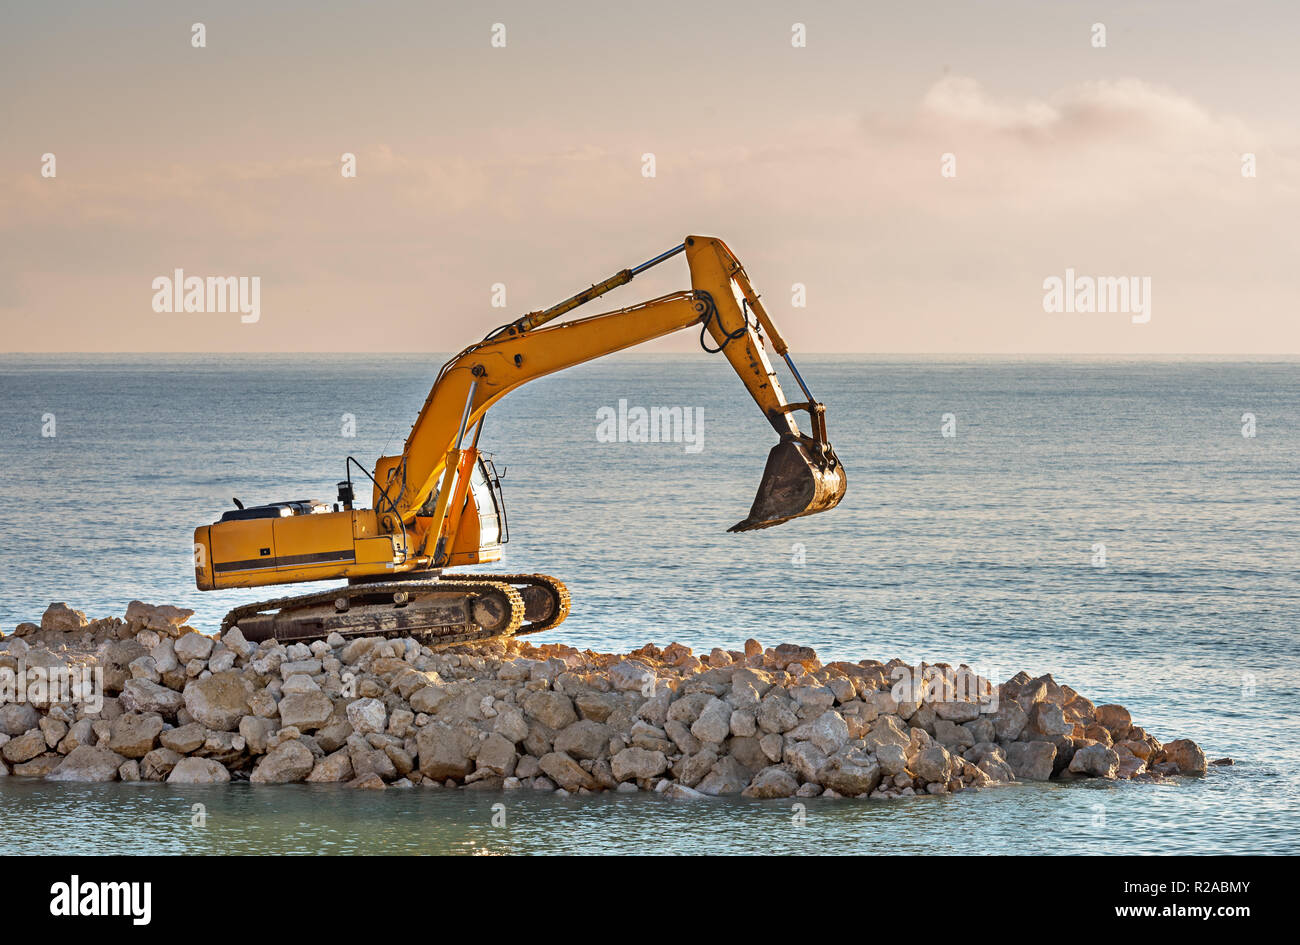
<point x="179" y="706"/>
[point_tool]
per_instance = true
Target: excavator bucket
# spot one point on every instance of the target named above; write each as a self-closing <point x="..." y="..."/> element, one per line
<point x="802" y="477"/>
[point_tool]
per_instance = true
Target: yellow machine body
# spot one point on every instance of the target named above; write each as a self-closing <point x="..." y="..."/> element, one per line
<point x="313" y="542"/>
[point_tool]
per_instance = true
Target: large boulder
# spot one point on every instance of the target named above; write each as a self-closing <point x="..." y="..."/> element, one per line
<point x="892" y="759"/>
<point x="306" y="711"/>
<point x="596" y="706"/>
<point x="851" y="772"/>
<point x="953" y="736"/>
<point x="1114" y="718"/>
<point x="233" y="640"/>
<point x="303" y="667"/>
<point x="553" y="709"/>
<point x="286" y="763"/>
<point x="748" y="686"/>
<point x="444" y="752"/>
<point x="933" y="765"/>
<point x="647" y="736"/>
<point x="17" y="717"/>
<point x="805" y="758"/>
<point x="584" y="739"/>
<point x="981" y="729"/>
<point x="812" y="700"/>
<point x="714" y="722"/>
<point x="193" y="646"/>
<point x="133" y="735"/>
<point x="774" y="781"/>
<point x="332" y="768"/>
<point x="1130" y="765"/>
<point x="828" y="731"/>
<point x="39" y="766"/>
<point x="81" y="732"/>
<point x="429" y="699"/>
<point x="198" y="771"/>
<point x="55" y="730"/>
<point x="256" y="732"/>
<point x="1095" y="761"/>
<point x="61" y="617"/>
<point x="141" y="695"/>
<point x="1047" y="718"/>
<point x="691" y="769"/>
<point x="1031" y="761"/>
<point x="1009" y="720"/>
<point x="497" y="755"/>
<point x="743" y="723"/>
<point x="1065" y="746"/>
<point x="995" y="767"/>
<point x="631" y="675"/>
<point x="748" y="751"/>
<point x="163" y="618"/>
<point x="955" y="711"/>
<point x="159" y="763"/>
<point x="185" y="739"/>
<point x="164" y="657"/>
<point x="785" y="654"/>
<point x="511" y="724"/>
<point x="87" y="763"/>
<point x="219" y="701"/>
<point x="567" y="773"/>
<point x="366" y="715"/>
<point x="368" y="761"/>
<point x="25" y="747"/>
<point x="637" y="764"/>
<point x="888" y="730"/>
<point x="776" y="713"/>
<point x="115" y="659"/>
<point x="727" y="776"/>
<point x="1187" y="755"/>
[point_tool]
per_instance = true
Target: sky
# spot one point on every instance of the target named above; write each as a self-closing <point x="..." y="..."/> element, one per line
<point x="522" y="166"/>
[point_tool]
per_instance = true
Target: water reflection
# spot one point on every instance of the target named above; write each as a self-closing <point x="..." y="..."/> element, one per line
<point x="40" y="818"/>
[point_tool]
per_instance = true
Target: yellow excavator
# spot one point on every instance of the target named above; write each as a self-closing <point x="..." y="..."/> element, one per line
<point x="438" y="504"/>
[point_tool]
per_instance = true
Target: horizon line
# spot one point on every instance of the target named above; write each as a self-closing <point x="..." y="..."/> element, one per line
<point x="1246" y="356"/>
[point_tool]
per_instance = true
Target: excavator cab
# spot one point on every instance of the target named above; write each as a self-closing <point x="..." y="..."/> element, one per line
<point x="482" y="528"/>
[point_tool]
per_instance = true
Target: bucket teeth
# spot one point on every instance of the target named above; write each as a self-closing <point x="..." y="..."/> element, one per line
<point x="802" y="477"/>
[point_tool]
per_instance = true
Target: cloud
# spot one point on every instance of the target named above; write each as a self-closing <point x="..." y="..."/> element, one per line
<point x="1088" y="111"/>
<point x="1117" y="173"/>
<point x="959" y="100"/>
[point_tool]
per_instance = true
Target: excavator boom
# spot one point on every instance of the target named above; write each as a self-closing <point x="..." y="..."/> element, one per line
<point x="802" y="476"/>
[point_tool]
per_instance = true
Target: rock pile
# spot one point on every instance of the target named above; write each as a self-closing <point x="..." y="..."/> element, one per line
<point x="186" y="708"/>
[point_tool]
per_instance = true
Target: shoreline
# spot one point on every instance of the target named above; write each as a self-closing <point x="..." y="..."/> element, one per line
<point x="372" y="713"/>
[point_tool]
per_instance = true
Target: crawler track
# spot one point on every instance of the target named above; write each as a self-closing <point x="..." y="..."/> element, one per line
<point x="446" y="611"/>
<point x="437" y="613"/>
<point x="535" y="589"/>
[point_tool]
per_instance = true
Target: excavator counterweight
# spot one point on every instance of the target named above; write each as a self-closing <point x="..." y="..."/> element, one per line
<point x="438" y="505"/>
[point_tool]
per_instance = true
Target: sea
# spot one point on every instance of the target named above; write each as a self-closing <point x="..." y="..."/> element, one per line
<point x="1130" y="526"/>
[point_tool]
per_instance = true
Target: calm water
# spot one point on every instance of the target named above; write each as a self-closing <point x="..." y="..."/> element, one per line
<point x="977" y="548"/>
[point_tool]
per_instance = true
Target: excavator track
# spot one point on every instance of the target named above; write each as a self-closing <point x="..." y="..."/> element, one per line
<point x="543" y="595"/>
<point x="424" y="610"/>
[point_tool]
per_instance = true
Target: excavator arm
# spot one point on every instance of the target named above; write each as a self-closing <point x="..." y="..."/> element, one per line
<point x="803" y="475"/>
